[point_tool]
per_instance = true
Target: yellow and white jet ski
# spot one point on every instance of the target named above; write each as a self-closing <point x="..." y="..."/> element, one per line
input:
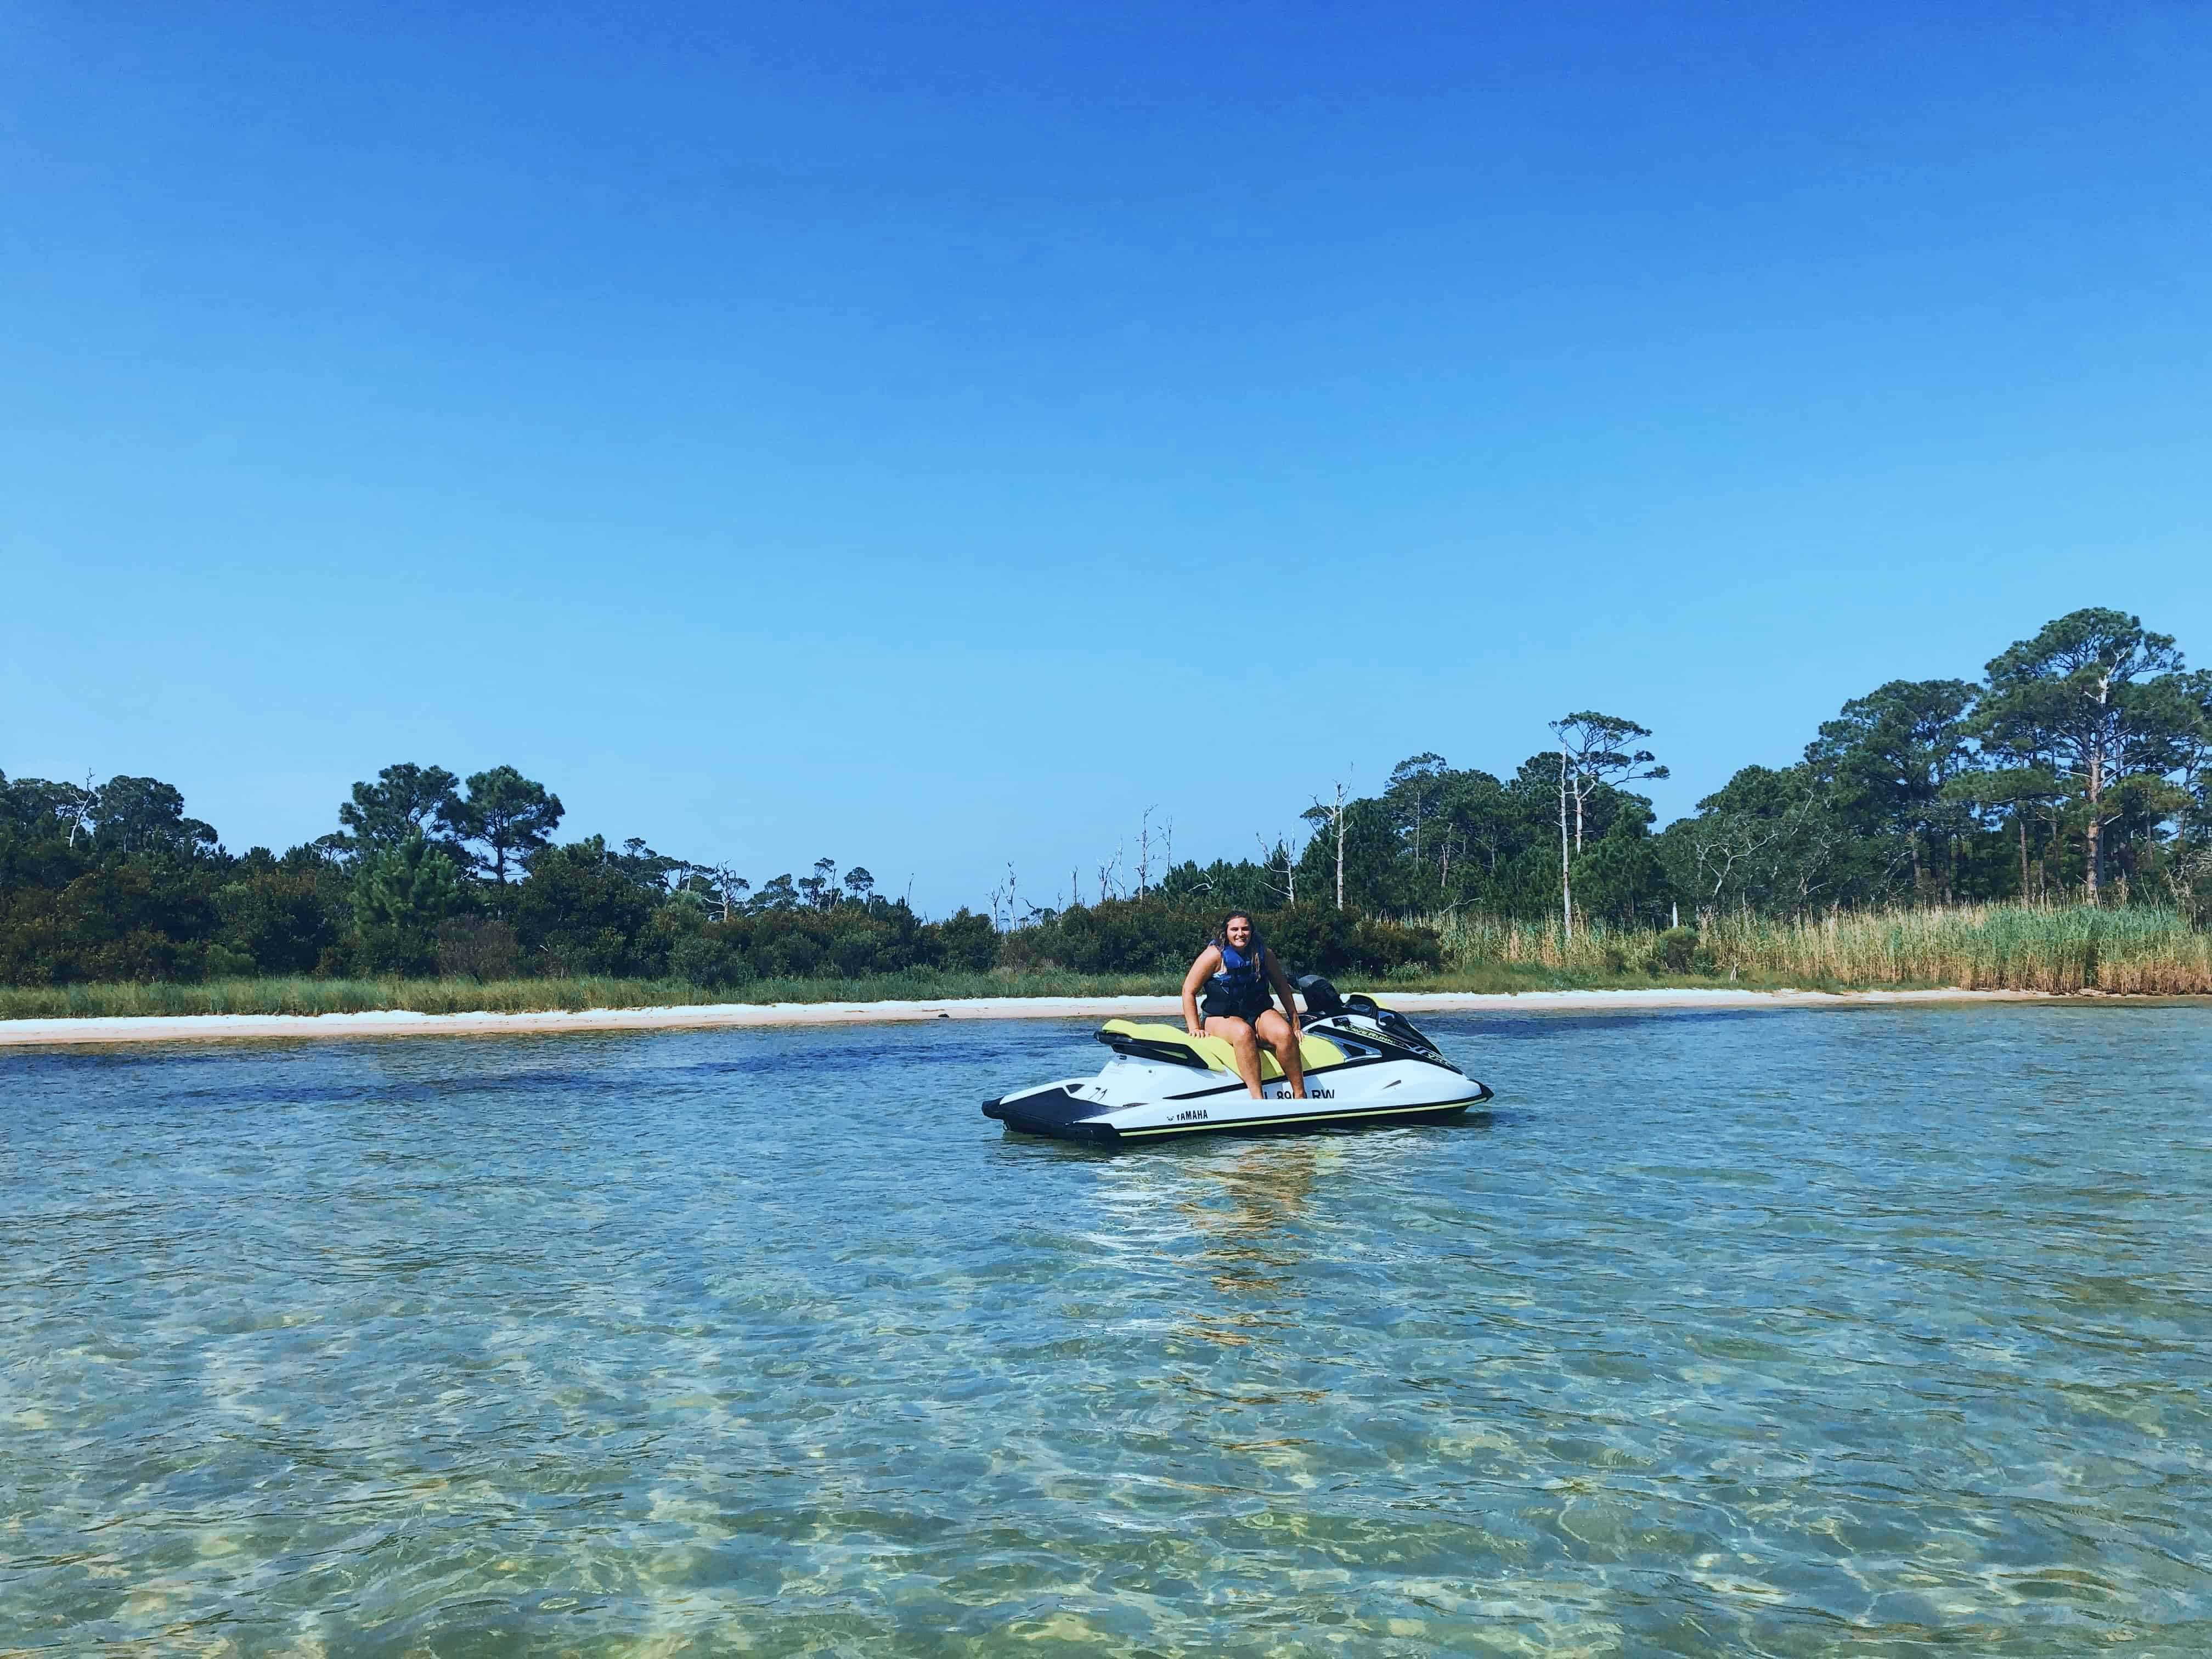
<point x="1365" y="1065"/>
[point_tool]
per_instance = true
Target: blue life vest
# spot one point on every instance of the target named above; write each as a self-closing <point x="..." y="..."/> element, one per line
<point x="1241" y="972"/>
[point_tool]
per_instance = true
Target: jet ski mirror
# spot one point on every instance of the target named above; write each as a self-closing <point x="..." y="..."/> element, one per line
<point x="1320" y="998"/>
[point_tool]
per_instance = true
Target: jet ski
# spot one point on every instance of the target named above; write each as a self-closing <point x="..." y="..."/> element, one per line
<point x="1365" y="1065"/>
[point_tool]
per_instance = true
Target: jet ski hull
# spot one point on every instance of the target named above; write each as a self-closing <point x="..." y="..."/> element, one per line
<point x="1123" y="1110"/>
<point x="1365" y="1065"/>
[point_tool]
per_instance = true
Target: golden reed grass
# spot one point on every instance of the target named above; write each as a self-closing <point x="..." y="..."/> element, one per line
<point x="2138" y="949"/>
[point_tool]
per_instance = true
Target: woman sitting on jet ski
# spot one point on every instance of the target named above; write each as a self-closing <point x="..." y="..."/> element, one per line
<point x="1237" y="970"/>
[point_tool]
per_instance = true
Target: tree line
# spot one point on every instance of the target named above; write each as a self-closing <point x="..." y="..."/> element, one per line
<point x="2076" y="767"/>
<point x="426" y="873"/>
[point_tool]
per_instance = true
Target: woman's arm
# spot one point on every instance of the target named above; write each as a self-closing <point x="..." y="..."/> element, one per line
<point x="1208" y="962"/>
<point x="1282" y="985"/>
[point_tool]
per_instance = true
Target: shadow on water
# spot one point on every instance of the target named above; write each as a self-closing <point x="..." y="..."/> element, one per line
<point x="1480" y="1120"/>
<point x="1250" y="1223"/>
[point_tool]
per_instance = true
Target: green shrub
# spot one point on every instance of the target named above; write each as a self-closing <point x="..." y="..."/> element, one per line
<point x="1675" y="950"/>
<point x="709" y="959"/>
<point x="477" y="947"/>
<point x="966" y="943"/>
<point x="221" y="962"/>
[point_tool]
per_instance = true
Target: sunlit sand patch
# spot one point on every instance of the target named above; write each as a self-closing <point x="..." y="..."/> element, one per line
<point x="155" y="1598"/>
<point x="186" y="1640"/>
<point x="664" y="1506"/>
<point x="1597" y="1522"/>
<point x="727" y="1635"/>
<point x="1463" y="1440"/>
<point x="2019" y="1585"/>
<point x="1521" y="1613"/>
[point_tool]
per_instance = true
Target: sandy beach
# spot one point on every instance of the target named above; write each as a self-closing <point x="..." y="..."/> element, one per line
<point x="214" y="1027"/>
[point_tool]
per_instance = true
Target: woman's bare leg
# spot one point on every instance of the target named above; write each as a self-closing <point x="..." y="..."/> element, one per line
<point x="1276" y="1031"/>
<point x="1247" y="1048"/>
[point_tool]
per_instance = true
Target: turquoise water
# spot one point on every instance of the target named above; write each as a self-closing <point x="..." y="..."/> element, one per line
<point x="1780" y="1333"/>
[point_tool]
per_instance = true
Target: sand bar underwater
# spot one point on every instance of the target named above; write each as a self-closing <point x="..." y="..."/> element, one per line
<point x="206" y="1028"/>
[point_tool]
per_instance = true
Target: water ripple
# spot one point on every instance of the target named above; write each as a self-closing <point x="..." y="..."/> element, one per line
<point x="1792" y="1334"/>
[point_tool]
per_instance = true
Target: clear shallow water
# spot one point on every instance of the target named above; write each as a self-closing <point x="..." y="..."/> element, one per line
<point x="1782" y="1332"/>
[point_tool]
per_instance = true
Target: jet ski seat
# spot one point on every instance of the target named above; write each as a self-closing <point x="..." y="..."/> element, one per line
<point x="1173" y="1042"/>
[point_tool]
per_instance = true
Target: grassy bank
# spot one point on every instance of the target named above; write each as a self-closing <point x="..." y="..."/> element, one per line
<point x="2140" y="951"/>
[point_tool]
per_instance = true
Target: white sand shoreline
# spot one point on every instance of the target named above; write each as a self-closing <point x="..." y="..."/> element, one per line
<point x="206" y="1028"/>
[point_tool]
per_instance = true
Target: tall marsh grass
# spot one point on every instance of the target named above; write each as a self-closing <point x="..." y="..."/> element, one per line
<point x="2139" y="950"/>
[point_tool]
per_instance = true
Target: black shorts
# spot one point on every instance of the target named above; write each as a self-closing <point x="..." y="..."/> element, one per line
<point x="1248" y="1007"/>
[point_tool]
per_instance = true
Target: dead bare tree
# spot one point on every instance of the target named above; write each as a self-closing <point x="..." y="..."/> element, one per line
<point x="729" y="887"/>
<point x="1281" y="849"/>
<point x="1145" y="850"/>
<point x="80" y="810"/>
<point x="1331" y="816"/>
<point x="1566" y="863"/>
<point x="1007" y="902"/>
<point x="1110" y="874"/>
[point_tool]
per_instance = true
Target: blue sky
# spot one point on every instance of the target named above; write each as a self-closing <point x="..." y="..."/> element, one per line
<point x="930" y="437"/>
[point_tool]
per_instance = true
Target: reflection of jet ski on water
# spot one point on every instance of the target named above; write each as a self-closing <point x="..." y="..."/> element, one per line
<point x="1365" y="1065"/>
